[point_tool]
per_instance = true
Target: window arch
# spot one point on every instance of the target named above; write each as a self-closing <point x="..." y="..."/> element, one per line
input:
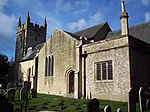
<point x="49" y="65"/>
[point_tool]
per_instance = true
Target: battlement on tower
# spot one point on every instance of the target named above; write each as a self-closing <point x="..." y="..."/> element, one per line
<point x="31" y="26"/>
<point x="29" y="35"/>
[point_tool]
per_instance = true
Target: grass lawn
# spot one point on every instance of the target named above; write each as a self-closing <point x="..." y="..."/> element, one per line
<point x="63" y="104"/>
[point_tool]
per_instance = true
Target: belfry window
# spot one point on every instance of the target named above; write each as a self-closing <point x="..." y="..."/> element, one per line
<point x="103" y="70"/>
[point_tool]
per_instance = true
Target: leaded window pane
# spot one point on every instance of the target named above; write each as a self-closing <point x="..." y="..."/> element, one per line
<point x="98" y="72"/>
<point x="110" y="71"/>
<point x="103" y="71"/>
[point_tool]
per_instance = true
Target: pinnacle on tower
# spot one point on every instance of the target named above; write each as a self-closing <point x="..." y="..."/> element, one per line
<point x="45" y="23"/>
<point x="28" y="18"/>
<point x="124" y="19"/>
<point x="19" y="22"/>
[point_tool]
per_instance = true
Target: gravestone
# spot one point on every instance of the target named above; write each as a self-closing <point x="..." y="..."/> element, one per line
<point x="107" y="109"/>
<point x="5" y="105"/>
<point x="9" y="85"/>
<point x="93" y="105"/>
<point x="27" y="84"/>
<point x="119" y="110"/>
<point x="20" y="86"/>
<point x="23" y="93"/>
<point x="10" y="94"/>
<point x="15" y="86"/>
<point x="142" y="101"/>
<point x="131" y="100"/>
<point x="148" y="104"/>
<point x="34" y="93"/>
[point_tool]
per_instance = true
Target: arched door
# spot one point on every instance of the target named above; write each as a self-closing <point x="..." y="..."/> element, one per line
<point x="71" y="82"/>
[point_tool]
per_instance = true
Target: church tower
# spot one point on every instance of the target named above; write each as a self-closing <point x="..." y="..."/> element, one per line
<point x="28" y="36"/>
<point x="124" y="20"/>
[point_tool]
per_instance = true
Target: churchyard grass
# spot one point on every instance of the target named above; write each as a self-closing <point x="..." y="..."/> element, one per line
<point x="63" y="104"/>
<point x="58" y="103"/>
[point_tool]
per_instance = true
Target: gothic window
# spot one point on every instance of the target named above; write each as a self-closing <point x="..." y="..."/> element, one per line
<point x="49" y="64"/>
<point x="103" y="70"/>
<point x="46" y="62"/>
<point x="52" y="66"/>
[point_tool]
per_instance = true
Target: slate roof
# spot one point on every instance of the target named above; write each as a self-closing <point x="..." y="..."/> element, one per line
<point x="90" y="32"/>
<point x="73" y="35"/>
<point x="33" y="53"/>
<point x="140" y="31"/>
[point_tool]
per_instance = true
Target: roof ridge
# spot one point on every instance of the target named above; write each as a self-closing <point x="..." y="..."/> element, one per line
<point x="91" y="27"/>
<point x="136" y="25"/>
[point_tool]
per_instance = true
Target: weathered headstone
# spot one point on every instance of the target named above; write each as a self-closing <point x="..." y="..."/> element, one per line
<point x="15" y="86"/>
<point x="23" y="93"/>
<point x="20" y="86"/>
<point x="5" y="105"/>
<point x="148" y="104"/>
<point x="131" y="100"/>
<point x="93" y="105"/>
<point x="27" y="84"/>
<point x="119" y="110"/>
<point x="9" y="85"/>
<point x="142" y="101"/>
<point x="34" y="93"/>
<point x="10" y="94"/>
<point x="107" y="109"/>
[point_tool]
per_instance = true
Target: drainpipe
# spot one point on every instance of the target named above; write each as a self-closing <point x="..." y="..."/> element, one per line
<point x="84" y="57"/>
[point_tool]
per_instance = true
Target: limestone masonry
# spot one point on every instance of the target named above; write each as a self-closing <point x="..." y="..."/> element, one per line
<point x="94" y="62"/>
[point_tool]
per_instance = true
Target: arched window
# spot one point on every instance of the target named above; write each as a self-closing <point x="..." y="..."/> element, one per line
<point x="52" y="66"/>
<point x="49" y="65"/>
<point x="46" y="62"/>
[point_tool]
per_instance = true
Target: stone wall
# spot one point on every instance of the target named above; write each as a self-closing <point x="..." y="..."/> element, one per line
<point x="139" y="64"/>
<point x="116" y="50"/>
<point x="62" y="47"/>
<point x="24" y="73"/>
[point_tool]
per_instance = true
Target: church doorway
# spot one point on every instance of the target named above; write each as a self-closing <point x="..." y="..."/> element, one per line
<point x="71" y="82"/>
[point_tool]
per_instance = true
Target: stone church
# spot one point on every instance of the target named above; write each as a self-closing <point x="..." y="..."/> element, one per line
<point x="95" y="62"/>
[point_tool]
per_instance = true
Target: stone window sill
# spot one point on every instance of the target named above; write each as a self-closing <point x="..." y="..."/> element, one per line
<point x="104" y="81"/>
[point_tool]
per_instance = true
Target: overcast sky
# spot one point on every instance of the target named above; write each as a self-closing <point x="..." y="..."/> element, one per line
<point x="70" y="15"/>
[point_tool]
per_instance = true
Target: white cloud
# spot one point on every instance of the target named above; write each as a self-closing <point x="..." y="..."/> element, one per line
<point x="79" y="24"/>
<point x="82" y="23"/>
<point x="62" y="5"/>
<point x="84" y="3"/>
<point x="146" y="2"/>
<point x="147" y="16"/>
<point x="8" y="24"/>
<point x="7" y="30"/>
<point x="97" y="17"/>
<point x="80" y="11"/>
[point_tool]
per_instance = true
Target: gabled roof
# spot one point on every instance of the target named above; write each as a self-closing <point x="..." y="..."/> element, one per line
<point x="140" y="31"/>
<point x="32" y="54"/>
<point x="73" y="35"/>
<point x="90" y="32"/>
